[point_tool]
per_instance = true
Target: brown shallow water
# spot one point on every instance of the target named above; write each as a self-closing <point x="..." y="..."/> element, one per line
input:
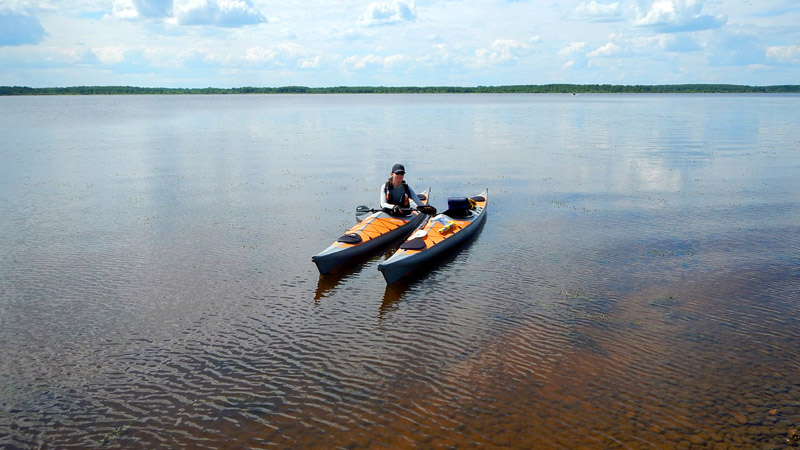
<point x="635" y="284"/>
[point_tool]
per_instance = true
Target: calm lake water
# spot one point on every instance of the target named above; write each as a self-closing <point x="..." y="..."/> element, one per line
<point x="636" y="283"/>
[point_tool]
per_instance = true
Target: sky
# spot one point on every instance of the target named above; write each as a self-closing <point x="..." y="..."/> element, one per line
<point x="273" y="43"/>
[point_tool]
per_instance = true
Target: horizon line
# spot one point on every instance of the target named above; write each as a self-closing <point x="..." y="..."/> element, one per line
<point x="512" y="88"/>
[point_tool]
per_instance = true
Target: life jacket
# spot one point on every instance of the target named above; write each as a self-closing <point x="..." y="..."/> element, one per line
<point x="406" y="196"/>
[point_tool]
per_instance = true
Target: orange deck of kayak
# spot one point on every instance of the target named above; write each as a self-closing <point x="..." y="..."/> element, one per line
<point x="374" y="227"/>
<point x="432" y="235"/>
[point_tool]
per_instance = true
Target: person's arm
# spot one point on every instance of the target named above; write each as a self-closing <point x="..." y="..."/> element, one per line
<point x="414" y="198"/>
<point x="382" y="201"/>
<point x="427" y="209"/>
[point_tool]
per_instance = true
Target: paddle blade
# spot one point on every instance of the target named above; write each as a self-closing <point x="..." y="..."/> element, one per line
<point x="362" y="210"/>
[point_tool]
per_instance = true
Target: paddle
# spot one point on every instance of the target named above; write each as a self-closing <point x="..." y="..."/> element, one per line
<point x="363" y="209"/>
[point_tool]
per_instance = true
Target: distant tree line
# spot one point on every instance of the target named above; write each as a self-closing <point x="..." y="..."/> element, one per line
<point x="516" y="89"/>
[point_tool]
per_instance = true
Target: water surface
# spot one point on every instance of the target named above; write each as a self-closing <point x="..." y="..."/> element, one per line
<point x="635" y="284"/>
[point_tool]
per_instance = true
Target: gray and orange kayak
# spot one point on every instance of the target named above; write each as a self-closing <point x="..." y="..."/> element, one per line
<point x="369" y="234"/>
<point x="441" y="233"/>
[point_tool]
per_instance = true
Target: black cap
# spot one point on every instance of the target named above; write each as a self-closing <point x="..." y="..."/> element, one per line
<point x="398" y="168"/>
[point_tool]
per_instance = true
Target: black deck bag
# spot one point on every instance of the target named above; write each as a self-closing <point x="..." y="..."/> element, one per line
<point x="458" y="207"/>
<point x="352" y="238"/>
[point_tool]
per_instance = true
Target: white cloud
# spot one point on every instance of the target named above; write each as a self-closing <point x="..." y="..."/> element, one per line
<point x="258" y="55"/>
<point x="676" y="15"/>
<point x="502" y="51"/>
<point x="572" y="48"/>
<point x="360" y="62"/>
<point x="677" y="43"/>
<point x="109" y="55"/>
<point x="784" y="55"/>
<point x="286" y="54"/>
<point x="222" y="13"/>
<point x="598" y="12"/>
<point x="309" y="63"/>
<point x="125" y="9"/>
<point x="576" y="54"/>
<point x="610" y="49"/>
<point x="385" y="13"/>
<point x="225" y="13"/>
<point x="206" y="43"/>
<point x="80" y="56"/>
<point x="444" y="56"/>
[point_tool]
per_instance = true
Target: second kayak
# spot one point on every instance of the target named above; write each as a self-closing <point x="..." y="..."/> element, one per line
<point x="441" y="233"/>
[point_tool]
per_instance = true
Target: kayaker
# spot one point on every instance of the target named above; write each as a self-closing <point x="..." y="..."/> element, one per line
<point x="396" y="195"/>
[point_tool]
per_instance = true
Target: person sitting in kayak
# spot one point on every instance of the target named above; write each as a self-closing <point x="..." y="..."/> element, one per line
<point x="396" y="195"/>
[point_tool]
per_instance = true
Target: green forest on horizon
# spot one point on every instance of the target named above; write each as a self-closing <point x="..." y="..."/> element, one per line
<point x="520" y="89"/>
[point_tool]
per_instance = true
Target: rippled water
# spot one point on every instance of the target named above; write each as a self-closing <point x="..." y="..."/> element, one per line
<point x="635" y="285"/>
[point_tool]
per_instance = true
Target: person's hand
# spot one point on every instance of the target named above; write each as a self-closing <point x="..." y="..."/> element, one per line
<point x="397" y="210"/>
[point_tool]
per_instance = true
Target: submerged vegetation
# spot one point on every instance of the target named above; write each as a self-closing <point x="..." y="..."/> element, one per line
<point x="521" y="89"/>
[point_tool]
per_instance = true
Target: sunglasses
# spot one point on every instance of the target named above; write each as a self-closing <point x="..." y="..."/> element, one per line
<point x="400" y="173"/>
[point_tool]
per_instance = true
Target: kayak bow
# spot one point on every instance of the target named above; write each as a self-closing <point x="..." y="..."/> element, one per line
<point x="369" y="234"/>
<point x="441" y="233"/>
